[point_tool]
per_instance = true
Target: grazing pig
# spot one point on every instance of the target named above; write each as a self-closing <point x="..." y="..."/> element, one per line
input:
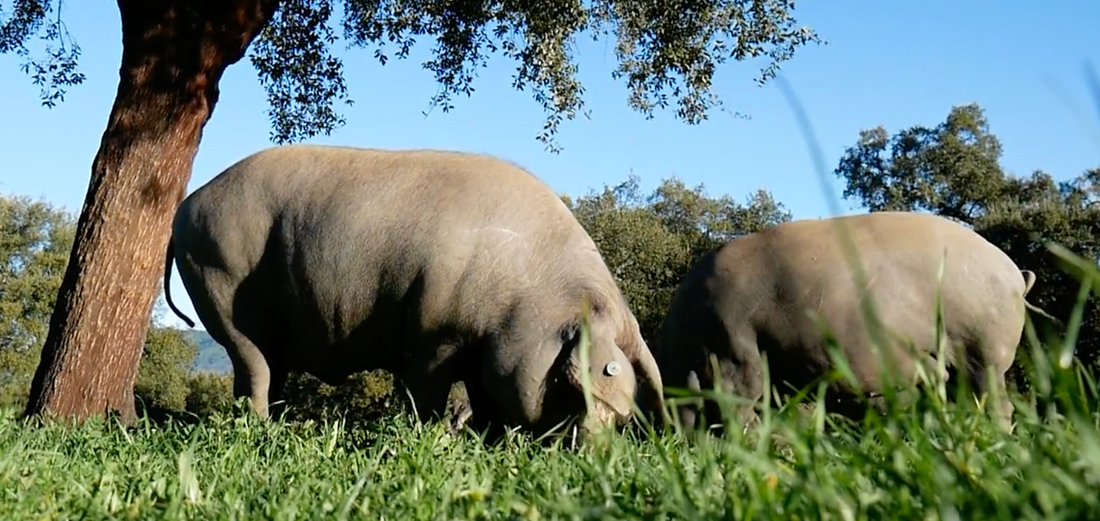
<point x="436" y="266"/>
<point x="759" y="294"/>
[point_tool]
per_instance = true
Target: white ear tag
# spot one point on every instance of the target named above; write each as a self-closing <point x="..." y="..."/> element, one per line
<point x="612" y="368"/>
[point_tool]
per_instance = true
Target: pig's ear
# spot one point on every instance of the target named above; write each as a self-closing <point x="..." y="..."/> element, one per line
<point x="650" y="391"/>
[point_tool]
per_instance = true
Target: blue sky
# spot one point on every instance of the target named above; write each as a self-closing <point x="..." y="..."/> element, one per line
<point x="896" y="64"/>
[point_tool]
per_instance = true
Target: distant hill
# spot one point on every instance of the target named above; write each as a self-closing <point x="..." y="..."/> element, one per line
<point x="212" y="356"/>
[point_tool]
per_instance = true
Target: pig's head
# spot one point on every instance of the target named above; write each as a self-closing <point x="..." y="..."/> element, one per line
<point x="536" y="377"/>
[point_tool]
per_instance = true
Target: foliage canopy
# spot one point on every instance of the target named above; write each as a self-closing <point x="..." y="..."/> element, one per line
<point x="667" y="51"/>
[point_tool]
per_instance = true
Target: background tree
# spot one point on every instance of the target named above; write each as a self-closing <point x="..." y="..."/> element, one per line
<point x="34" y="248"/>
<point x="650" y="241"/>
<point x="35" y="239"/>
<point x="953" y="170"/>
<point x="175" y="52"/>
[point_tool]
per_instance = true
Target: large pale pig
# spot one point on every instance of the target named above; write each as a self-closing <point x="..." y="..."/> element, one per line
<point x="437" y="266"/>
<point x="763" y="294"/>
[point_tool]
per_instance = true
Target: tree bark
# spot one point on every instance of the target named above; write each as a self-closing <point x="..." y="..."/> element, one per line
<point x="174" y="53"/>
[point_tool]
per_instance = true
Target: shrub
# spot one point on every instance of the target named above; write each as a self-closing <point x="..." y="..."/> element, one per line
<point x="363" y="396"/>
<point x="209" y="394"/>
<point x="162" y="381"/>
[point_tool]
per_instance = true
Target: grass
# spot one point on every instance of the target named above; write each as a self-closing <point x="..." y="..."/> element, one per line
<point x="931" y="459"/>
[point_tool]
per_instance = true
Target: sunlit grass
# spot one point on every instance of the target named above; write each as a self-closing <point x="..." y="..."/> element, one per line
<point x="931" y="461"/>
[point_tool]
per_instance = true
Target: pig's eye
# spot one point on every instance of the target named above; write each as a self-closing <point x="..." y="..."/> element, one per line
<point x="612" y="368"/>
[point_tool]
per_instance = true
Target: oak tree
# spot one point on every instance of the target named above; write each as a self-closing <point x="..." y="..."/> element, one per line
<point x="175" y="52"/>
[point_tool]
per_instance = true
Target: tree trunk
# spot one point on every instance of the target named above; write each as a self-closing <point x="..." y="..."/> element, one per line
<point x="173" y="55"/>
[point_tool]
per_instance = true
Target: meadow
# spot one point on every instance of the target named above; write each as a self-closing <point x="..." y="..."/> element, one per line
<point x="930" y="460"/>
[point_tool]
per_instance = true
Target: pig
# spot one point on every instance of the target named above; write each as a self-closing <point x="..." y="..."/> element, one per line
<point x="437" y="266"/>
<point x="763" y="294"/>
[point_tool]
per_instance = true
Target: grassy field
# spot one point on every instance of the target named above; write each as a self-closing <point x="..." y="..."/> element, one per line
<point x="928" y="461"/>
